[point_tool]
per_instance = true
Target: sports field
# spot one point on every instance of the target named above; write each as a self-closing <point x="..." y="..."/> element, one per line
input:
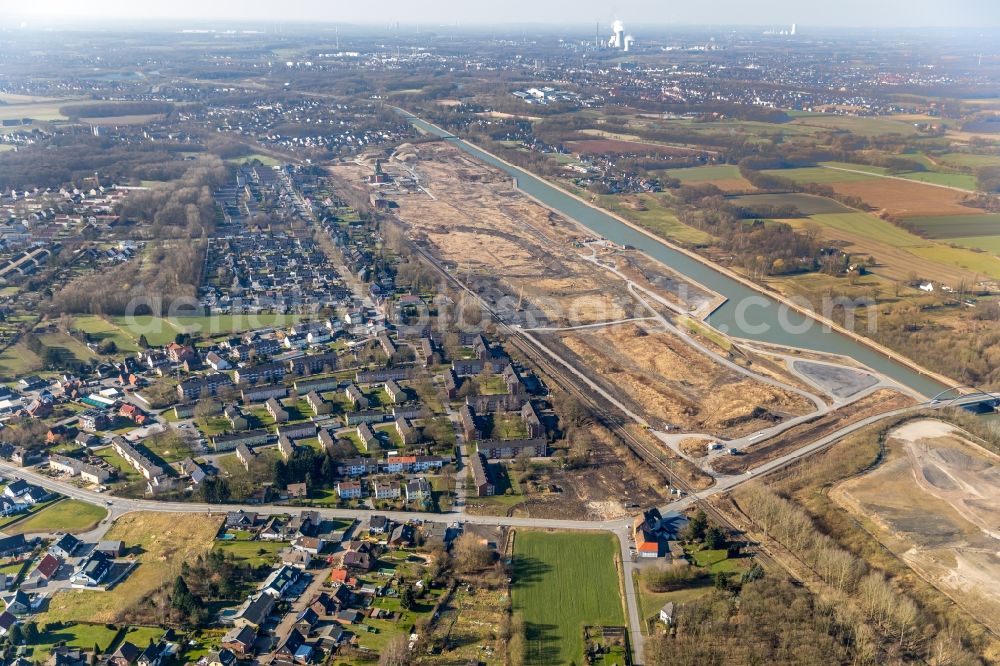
<point x="563" y="581"/>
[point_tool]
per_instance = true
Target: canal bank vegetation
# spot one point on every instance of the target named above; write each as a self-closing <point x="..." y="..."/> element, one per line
<point x="888" y="612"/>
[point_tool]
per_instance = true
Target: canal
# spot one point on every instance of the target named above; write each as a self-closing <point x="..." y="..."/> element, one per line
<point x="747" y="313"/>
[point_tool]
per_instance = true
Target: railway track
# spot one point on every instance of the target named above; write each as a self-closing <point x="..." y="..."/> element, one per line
<point x="608" y="419"/>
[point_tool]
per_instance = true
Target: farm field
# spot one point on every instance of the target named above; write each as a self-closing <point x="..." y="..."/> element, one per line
<point x="106" y="330"/>
<point x="864" y="126"/>
<point x="842" y="172"/>
<point x="110" y="121"/>
<point x="724" y="176"/>
<point x="819" y="175"/>
<point x="807" y="204"/>
<point x="37" y="111"/>
<point x="549" y="570"/>
<point x="65" y="516"/>
<point x="163" y="542"/>
<point x="600" y="146"/>
<point x="933" y="502"/>
<point x="964" y="181"/>
<point x="900" y="253"/>
<point x="956" y="226"/>
<point x="903" y="198"/>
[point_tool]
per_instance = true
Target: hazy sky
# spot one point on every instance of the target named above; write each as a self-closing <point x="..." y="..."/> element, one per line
<point x="945" y="13"/>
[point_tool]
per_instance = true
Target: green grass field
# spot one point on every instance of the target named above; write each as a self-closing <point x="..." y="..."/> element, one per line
<point x="64" y="516"/>
<point x="18" y="360"/>
<point x="705" y="173"/>
<point x="266" y="160"/>
<point x="969" y="160"/>
<point x="125" y="331"/>
<point x="963" y="181"/>
<point x="657" y="218"/>
<point x="249" y="551"/>
<point x="84" y="636"/>
<point x="106" y="330"/>
<point x="983" y="263"/>
<point x="563" y="581"/>
<point x="985" y="243"/>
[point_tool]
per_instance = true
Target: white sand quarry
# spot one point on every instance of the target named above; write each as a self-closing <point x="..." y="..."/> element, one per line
<point x="935" y="501"/>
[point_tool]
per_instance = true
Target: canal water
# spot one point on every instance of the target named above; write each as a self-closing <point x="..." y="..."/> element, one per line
<point x="747" y="313"/>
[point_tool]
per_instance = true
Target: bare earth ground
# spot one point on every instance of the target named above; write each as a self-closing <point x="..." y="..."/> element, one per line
<point x="935" y="502"/>
<point x="668" y="380"/>
<point x="880" y="401"/>
<point x="659" y="279"/>
<point x="492" y="235"/>
<point x="599" y="491"/>
<point x="775" y="368"/>
<point x="841" y="382"/>
<point x="906" y="199"/>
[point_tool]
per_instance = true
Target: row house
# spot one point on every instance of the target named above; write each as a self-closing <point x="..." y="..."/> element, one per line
<point x="313" y="363"/>
<point x="356" y="397"/>
<point x="317" y="385"/>
<point x="383" y="489"/>
<point x="317" y="404"/>
<point x="234" y="415"/>
<point x="532" y="421"/>
<point x="407" y="433"/>
<point x="513" y="448"/>
<point x="480" y="476"/>
<point x="297" y="430"/>
<point x="388" y="346"/>
<point x="194" y="388"/>
<point x="396" y="393"/>
<point x="229" y="441"/>
<point x="365" y="416"/>
<point x="383" y="375"/>
<point x="276" y="410"/>
<point x="261" y="393"/>
<point x="245" y="455"/>
<point x="469" y="427"/>
<point x="267" y="372"/>
<point x="369" y="440"/>
<point x="141" y="463"/>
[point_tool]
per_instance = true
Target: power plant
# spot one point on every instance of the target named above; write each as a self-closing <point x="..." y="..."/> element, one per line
<point x="619" y="40"/>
